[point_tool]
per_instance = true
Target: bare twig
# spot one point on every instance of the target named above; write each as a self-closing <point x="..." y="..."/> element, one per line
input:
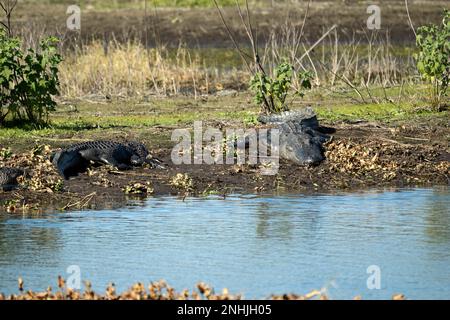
<point x="316" y="43"/>
<point x="345" y="80"/>
<point x="409" y="18"/>
<point x="8" y="6"/>
<point x="243" y="55"/>
<point x="267" y="100"/>
<point x="81" y="203"/>
<point x="302" y="28"/>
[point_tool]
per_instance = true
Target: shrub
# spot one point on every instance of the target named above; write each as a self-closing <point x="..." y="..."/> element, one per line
<point x="271" y="93"/>
<point x="28" y="80"/>
<point x="433" y="59"/>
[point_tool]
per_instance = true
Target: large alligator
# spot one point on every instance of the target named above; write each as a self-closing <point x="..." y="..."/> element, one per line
<point x="77" y="157"/>
<point x="301" y="137"/>
<point x="8" y="178"/>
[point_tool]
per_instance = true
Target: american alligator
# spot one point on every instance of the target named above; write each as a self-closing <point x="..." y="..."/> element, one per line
<point x="301" y="136"/>
<point x="8" y="178"/>
<point x="77" y="157"/>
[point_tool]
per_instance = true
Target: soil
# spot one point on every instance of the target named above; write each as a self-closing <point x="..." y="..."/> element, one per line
<point x="360" y="156"/>
<point x="202" y="27"/>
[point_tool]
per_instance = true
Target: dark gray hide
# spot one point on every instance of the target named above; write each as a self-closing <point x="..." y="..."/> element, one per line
<point x="77" y="158"/>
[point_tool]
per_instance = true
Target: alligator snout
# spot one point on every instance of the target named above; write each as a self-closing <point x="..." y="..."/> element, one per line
<point x="302" y="149"/>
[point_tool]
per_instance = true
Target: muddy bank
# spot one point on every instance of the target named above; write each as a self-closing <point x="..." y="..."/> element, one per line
<point x="360" y="156"/>
<point x="158" y="290"/>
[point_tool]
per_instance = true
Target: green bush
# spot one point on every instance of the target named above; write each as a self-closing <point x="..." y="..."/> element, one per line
<point x="271" y="93"/>
<point x="433" y="59"/>
<point x="28" y="80"/>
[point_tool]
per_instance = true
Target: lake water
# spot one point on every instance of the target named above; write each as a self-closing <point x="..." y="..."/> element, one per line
<point x="252" y="245"/>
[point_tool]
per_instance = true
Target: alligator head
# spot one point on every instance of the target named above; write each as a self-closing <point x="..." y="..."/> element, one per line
<point x="141" y="155"/>
<point x="8" y="177"/>
<point x="301" y="136"/>
<point x="301" y="148"/>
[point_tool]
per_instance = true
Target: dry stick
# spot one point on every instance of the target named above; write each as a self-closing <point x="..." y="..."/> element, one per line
<point x="131" y="174"/>
<point x="256" y="58"/>
<point x="193" y="76"/>
<point x="417" y="139"/>
<point x="145" y="26"/>
<point x="346" y="81"/>
<point x="249" y="32"/>
<point x="312" y="64"/>
<point x="371" y="56"/>
<point x="386" y="97"/>
<point x="69" y="205"/>
<point x="253" y="40"/>
<point x="4" y="24"/>
<point x="344" y="94"/>
<point x="335" y="65"/>
<point x="8" y="8"/>
<point x="299" y="60"/>
<point x="395" y="141"/>
<point x="301" y="30"/>
<point x="241" y="53"/>
<point x="353" y="58"/>
<point x="306" y="54"/>
<point x="370" y="95"/>
<point x="409" y="18"/>
<point x="401" y="92"/>
<point x="316" y="43"/>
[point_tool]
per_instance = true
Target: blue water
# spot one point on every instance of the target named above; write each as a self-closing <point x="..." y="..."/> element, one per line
<point x="251" y="245"/>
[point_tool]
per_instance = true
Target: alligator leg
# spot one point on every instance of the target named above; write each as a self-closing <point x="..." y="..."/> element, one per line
<point x="8" y="187"/>
<point x="154" y="162"/>
<point x="70" y="163"/>
<point x="110" y="160"/>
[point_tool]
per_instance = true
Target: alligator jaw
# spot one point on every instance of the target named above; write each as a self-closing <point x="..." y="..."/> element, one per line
<point x="301" y="148"/>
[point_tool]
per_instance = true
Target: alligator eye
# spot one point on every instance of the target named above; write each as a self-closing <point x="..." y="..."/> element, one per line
<point x="289" y="148"/>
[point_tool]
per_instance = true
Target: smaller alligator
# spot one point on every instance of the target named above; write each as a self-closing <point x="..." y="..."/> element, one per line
<point x="77" y="157"/>
<point x="8" y="178"/>
<point x="301" y="136"/>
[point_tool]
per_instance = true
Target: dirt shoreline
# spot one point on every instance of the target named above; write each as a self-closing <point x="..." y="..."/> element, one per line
<point x="361" y="156"/>
<point x="157" y="290"/>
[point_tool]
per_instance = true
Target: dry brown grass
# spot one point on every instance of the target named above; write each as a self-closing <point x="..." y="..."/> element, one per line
<point x="132" y="70"/>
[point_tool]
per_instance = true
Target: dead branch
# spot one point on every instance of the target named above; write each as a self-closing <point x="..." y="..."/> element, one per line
<point x="409" y="18"/>
<point x="8" y="6"/>
<point x="242" y="54"/>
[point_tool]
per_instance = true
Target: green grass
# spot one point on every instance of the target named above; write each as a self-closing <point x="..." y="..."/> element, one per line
<point x="383" y="112"/>
<point x="154" y="120"/>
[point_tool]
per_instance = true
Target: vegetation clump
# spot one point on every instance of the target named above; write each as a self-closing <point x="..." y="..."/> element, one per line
<point x="183" y="182"/>
<point x="138" y="188"/>
<point x="272" y="92"/>
<point x="157" y="290"/>
<point x="28" y="80"/>
<point x="433" y="59"/>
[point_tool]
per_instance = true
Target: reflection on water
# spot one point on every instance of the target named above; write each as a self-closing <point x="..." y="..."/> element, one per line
<point x="438" y="220"/>
<point x="253" y="245"/>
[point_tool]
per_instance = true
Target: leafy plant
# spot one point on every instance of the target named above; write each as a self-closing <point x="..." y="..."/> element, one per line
<point x="433" y="59"/>
<point x="271" y="93"/>
<point x="5" y="153"/>
<point x="28" y="79"/>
